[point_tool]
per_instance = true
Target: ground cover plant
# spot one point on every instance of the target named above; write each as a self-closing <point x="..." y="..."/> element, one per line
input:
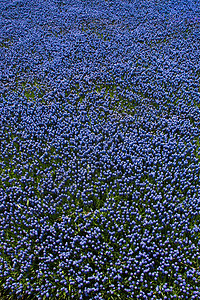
<point x="99" y="149"/>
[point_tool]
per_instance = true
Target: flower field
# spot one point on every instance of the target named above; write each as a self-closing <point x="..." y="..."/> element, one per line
<point x="99" y="149"/>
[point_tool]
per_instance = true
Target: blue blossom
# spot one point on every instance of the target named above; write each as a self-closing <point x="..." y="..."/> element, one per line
<point x="99" y="160"/>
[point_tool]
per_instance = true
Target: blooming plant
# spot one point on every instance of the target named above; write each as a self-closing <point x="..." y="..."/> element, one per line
<point x="99" y="149"/>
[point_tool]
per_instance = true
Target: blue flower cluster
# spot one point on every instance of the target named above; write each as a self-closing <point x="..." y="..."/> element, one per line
<point x="99" y="149"/>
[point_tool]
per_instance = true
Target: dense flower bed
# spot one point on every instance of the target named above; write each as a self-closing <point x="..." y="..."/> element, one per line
<point x="99" y="149"/>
